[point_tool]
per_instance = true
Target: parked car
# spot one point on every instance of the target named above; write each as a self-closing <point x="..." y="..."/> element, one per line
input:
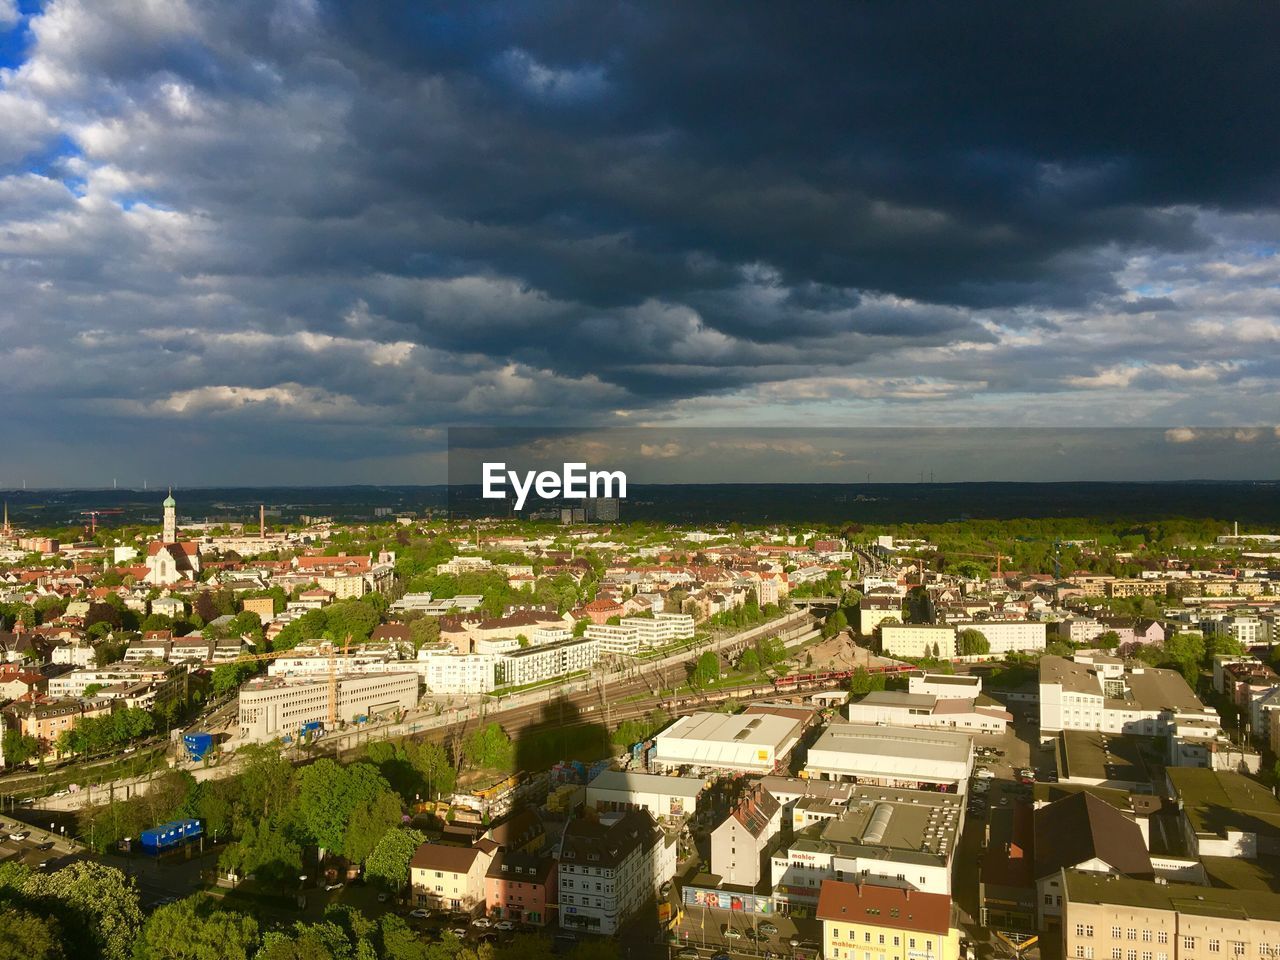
<point x="721" y="956"/>
<point x="459" y="932"/>
<point x="420" y="914"/>
<point x="769" y="929"/>
<point x="16" y="837"/>
<point x="982" y="773"/>
<point x="687" y="953"/>
<point x="482" y="922"/>
<point x="504" y="925"/>
<point x="487" y="938"/>
<point x="330" y="887"/>
<point x="732" y="933"/>
<point x="752" y="935"/>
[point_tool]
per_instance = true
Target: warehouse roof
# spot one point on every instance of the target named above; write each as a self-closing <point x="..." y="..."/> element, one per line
<point x="727" y="740"/>
<point x="626" y="782"/>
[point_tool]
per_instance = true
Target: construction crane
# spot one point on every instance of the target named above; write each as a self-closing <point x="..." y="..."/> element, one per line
<point x="93" y="516"/>
<point x="999" y="558"/>
<point x="333" y="671"/>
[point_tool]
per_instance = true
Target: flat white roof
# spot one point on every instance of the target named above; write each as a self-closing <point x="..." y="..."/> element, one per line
<point x="624" y="782"/>
<point x="748" y="741"/>
<point x="890" y="751"/>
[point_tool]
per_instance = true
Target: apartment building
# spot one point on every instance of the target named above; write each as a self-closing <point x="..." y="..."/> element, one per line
<point x="1009" y="636"/>
<point x="532" y="664"/>
<point x="521" y="887"/>
<point x="1118" y="918"/>
<point x="864" y="921"/>
<point x="739" y="842"/>
<point x="444" y="671"/>
<point x="611" y="867"/>
<point x="917" y="641"/>
<point x="445" y="877"/>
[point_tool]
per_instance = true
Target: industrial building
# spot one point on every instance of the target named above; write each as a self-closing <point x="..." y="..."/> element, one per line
<point x="746" y="743"/>
<point x="615" y="790"/>
<point x="892" y="756"/>
<point x="898" y="708"/>
<point x="280" y="706"/>
<point x="904" y="838"/>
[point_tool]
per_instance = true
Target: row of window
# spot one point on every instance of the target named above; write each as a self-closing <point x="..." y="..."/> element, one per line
<point x="1131" y="933"/>
<point x="1213" y="944"/>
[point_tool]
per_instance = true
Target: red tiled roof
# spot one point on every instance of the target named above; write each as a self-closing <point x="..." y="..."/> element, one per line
<point x="885" y="906"/>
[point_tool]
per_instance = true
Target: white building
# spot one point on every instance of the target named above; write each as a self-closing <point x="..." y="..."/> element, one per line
<point x="892" y="756"/>
<point x="748" y="742"/>
<point x="1009" y="636"/>
<point x="945" y="685"/>
<point x="896" y="708"/>
<point x="615" y="639"/>
<point x="1098" y="693"/>
<point x="917" y="642"/>
<point x="663" y="797"/>
<point x="739" y="842"/>
<point x="447" y="672"/>
<point x="278" y="706"/>
<point x="522" y="666"/>
<point x="611" y="868"/>
<point x="901" y="838"/>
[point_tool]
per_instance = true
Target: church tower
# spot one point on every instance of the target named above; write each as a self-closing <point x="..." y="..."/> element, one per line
<point x="170" y="534"/>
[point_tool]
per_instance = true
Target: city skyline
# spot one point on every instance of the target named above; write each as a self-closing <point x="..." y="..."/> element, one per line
<point x="295" y="243"/>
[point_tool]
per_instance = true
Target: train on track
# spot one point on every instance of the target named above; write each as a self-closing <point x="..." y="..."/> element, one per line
<point x="796" y="682"/>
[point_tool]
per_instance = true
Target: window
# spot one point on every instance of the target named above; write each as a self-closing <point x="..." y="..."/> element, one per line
<point x="1131" y="934"/>
<point x="882" y="939"/>
<point x="1080" y="951"/>
<point x="1116" y="953"/>
<point x="1188" y="943"/>
<point x="1146" y="955"/>
<point x="1214" y="945"/>
<point x="1146" y="936"/>
<point x="1237" y="948"/>
<point x="1162" y="936"/>
<point x="1115" y="933"/>
<point x="1131" y="955"/>
<point x="1079" y="929"/>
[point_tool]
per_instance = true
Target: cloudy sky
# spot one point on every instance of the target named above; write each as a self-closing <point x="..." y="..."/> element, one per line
<point x="292" y="241"/>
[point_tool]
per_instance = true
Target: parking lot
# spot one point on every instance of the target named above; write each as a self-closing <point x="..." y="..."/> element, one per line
<point x="711" y="930"/>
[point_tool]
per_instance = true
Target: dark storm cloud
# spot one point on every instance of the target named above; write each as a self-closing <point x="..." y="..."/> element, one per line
<point x="355" y="222"/>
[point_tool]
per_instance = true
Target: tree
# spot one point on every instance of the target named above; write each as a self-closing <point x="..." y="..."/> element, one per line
<point x="836" y="622"/>
<point x="96" y="906"/>
<point x="772" y="650"/>
<point x="227" y="677"/>
<point x="1108" y="640"/>
<point x="369" y="823"/>
<point x="431" y="761"/>
<point x="489" y="748"/>
<point x="329" y="796"/>
<point x="19" y="747"/>
<point x="196" y="929"/>
<point x="863" y="682"/>
<point x="204" y="607"/>
<point x="31" y="937"/>
<point x="388" y="864"/>
<point x="706" y="670"/>
<point x="972" y="642"/>
<point x="749" y="662"/>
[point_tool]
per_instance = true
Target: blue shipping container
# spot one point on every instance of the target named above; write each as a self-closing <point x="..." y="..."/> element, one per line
<point x="169" y="836"/>
<point x="311" y="727"/>
<point x="197" y="744"/>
